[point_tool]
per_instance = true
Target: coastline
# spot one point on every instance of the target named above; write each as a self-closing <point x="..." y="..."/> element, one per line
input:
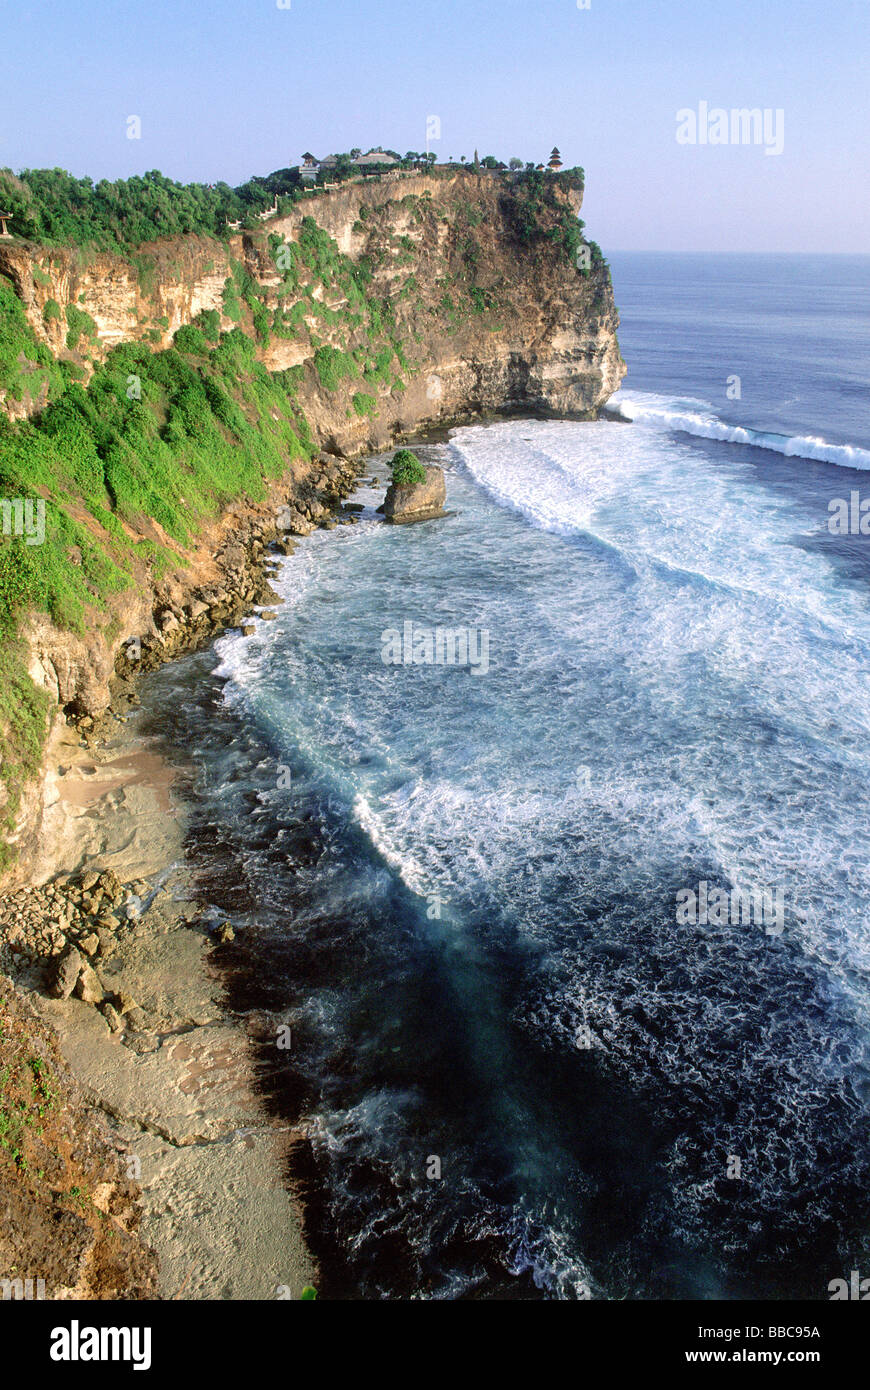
<point x="159" y="1051"/>
<point x="155" y="1047"/>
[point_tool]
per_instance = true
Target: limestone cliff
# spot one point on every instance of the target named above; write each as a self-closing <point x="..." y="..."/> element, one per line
<point x="494" y="320"/>
<point x="378" y="309"/>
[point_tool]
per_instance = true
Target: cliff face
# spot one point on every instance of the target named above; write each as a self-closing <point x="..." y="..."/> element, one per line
<point x="493" y="322"/>
<point x="146" y="300"/>
<point x="540" y="337"/>
<point x="389" y="306"/>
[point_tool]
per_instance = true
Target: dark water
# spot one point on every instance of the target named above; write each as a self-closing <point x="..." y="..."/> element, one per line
<point x="458" y="883"/>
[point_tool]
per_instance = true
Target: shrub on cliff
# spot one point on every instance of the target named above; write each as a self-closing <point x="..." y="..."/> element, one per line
<point x="364" y="404"/>
<point x="190" y="339"/>
<point x="332" y="366"/>
<point x="407" y="469"/>
<point x="26" y="365"/>
<point x="79" y="322"/>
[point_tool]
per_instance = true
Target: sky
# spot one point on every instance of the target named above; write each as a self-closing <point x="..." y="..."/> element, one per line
<point x="229" y="88"/>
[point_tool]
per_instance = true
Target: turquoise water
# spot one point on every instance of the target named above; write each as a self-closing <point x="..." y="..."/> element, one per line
<point x="459" y="884"/>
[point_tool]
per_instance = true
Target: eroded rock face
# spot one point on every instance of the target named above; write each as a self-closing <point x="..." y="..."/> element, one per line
<point x="417" y="501"/>
<point x="541" y="336"/>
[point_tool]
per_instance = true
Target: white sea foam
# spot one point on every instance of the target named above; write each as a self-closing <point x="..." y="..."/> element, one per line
<point x="679" y="690"/>
<point x="695" y="606"/>
<point x="698" y="419"/>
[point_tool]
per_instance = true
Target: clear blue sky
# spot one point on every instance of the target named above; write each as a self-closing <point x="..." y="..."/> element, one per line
<point x="229" y="88"/>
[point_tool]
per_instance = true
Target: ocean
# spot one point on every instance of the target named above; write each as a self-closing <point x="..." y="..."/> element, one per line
<point x="530" y="1057"/>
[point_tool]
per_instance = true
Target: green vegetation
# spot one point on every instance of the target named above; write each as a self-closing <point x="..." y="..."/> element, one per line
<point x="78" y="323"/>
<point x="25" y="1097"/>
<point x="52" y="207"/>
<point x="535" y="206"/>
<point x="363" y="404"/>
<point x="407" y="469"/>
<point x="482" y="299"/>
<point x="379" y="372"/>
<point x="209" y="425"/>
<point x="26" y="365"/>
<point x="24" y="719"/>
<point x="332" y="366"/>
<point x="230" y="301"/>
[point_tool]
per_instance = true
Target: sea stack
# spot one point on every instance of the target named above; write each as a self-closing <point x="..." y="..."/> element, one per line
<point x="417" y="493"/>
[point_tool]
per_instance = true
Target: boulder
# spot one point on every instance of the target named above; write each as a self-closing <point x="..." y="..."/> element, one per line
<point x="111" y="1015"/>
<point x="88" y="987"/>
<point x="418" y="501"/>
<point x="66" y="973"/>
<point x="168" y="622"/>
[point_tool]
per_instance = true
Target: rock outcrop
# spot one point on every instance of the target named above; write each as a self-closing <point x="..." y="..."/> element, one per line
<point x="417" y="501"/>
<point x="498" y="321"/>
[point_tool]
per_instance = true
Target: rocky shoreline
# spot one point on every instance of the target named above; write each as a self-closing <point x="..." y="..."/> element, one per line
<point x="111" y="947"/>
